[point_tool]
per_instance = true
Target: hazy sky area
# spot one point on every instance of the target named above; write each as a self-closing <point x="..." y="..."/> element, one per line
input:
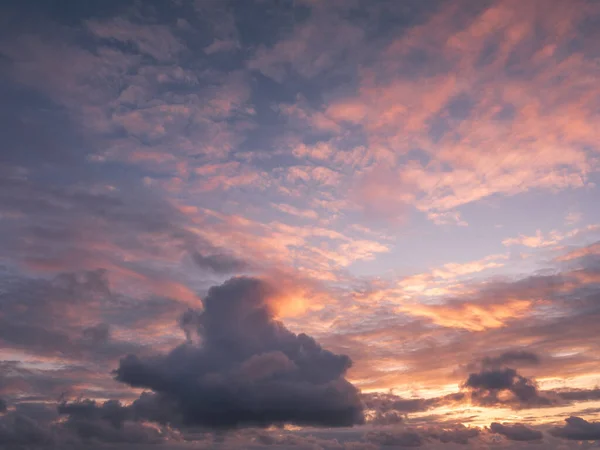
<point x="299" y="224"/>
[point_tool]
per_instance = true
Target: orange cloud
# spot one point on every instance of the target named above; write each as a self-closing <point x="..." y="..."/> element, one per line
<point x="535" y="241"/>
<point x="471" y="316"/>
<point x="593" y="249"/>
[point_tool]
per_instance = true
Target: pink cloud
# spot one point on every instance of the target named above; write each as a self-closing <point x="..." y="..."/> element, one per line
<point x="539" y="143"/>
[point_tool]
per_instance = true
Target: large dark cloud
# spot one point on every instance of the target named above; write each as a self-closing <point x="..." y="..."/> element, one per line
<point x="248" y="369"/>
<point x="516" y="432"/>
<point x="577" y="429"/>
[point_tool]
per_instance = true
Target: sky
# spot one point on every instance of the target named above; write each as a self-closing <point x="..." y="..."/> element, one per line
<point x="300" y="224"/>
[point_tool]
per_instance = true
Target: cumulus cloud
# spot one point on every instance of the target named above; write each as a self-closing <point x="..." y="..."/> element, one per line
<point x="247" y="369"/>
<point x="107" y="422"/>
<point x="516" y="432"/>
<point x="577" y="429"/>
<point x="488" y="386"/>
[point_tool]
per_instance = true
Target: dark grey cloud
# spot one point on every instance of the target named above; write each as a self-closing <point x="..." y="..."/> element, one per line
<point x="35" y="425"/>
<point x="384" y="402"/>
<point x="112" y="411"/>
<point x="3" y="405"/>
<point x="457" y="435"/>
<point x="492" y="379"/>
<point x="576" y="395"/>
<point x="35" y="383"/>
<point x="403" y="438"/>
<point x="107" y="422"/>
<point x="248" y="369"/>
<point x="485" y="387"/>
<point x="388" y="408"/>
<point x="513" y="357"/>
<point x="98" y="333"/>
<point x="516" y="432"/>
<point x="18" y="429"/>
<point x="220" y="263"/>
<point x="577" y="429"/>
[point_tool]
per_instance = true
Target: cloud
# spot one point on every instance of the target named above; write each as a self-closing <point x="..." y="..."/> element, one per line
<point x="576" y="395"/>
<point x="157" y="41"/>
<point x="509" y="358"/>
<point x="98" y="333"/>
<point x="408" y="438"/>
<point x="458" y="434"/>
<point x="248" y="369"/>
<point x="70" y="425"/>
<point x="316" y="45"/>
<point x="220" y="263"/>
<point x="577" y="429"/>
<point x="388" y="408"/>
<point x="505" y="139"/>
<point x="535" y="241"/>
<point x="583" y="252"/>
<point x="222" y="45"/>
<point x="516" y="432"/>
<point x="18" y="429"/>
<point x="373" y="193"/>
<point x="108" y="422"/>
<point x="470" y="315"/>
<point x="37" y="314"/>
<point x="488" y="386"/>
<point x="428" y="111"/>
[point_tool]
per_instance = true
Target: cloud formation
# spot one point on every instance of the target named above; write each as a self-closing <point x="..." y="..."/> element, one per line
<point x="248" y="369"/>
<point x="577" y="429"/>
<point x="488" y="385"/>
<point x="516" y="432"/>
<point x="407" y="175"/>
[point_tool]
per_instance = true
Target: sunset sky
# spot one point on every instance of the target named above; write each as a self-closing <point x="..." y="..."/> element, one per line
<point x="300" y="224"/>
